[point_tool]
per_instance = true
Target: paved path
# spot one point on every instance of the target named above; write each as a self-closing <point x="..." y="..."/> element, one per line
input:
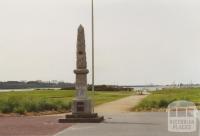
<point x="123" y="105"/>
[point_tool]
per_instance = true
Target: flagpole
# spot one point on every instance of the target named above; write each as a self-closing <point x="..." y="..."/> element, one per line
<point x="93" y="47"/>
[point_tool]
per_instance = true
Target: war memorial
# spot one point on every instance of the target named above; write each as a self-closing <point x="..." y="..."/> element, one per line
<point x="82" y="107"/>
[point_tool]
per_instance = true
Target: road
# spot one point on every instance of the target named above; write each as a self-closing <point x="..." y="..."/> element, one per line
<point x="126" y="124"/>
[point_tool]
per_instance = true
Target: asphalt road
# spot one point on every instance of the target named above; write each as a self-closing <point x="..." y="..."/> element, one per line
<point x="126" y="124"/>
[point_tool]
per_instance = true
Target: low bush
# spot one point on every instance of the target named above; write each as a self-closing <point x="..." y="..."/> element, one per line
<point x="21" y="106"/>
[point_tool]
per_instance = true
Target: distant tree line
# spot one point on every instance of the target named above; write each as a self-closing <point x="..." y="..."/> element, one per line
<point x="109" y="88"/>
<point x="33" y="84"/>
<point x="62" y="85"/>
<point x="103" y="88"/>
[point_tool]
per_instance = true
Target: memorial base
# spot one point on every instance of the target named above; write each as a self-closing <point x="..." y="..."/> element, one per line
<point x="82" y="118"/>
<point x="82" y="113"/>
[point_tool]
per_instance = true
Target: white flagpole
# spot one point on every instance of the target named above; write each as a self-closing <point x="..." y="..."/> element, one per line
<point x="93" y="47"/>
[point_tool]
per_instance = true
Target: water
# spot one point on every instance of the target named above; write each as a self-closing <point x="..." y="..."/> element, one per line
<point x="21" y="90"/>
<point x="155" y="88"/>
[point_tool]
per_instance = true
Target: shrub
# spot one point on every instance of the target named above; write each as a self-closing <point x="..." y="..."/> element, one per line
<point x="163" y="103"/>
<point x="31" y="106"/>
<point x="20" y="110"/>
<point x="23" y="105"/>
<point x="8" y="105"/>
<point x="6" y="109"/>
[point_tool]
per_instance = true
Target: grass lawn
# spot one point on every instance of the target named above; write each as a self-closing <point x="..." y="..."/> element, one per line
<point x="49" y="100"/>
<point x="159" y="100"/>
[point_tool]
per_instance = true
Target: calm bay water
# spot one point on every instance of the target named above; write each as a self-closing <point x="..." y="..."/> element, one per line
<point x="18" y="90"/>
<point x="149" y="88"/>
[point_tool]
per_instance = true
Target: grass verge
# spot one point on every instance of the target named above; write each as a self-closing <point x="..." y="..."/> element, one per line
<point x="159" y="100"/>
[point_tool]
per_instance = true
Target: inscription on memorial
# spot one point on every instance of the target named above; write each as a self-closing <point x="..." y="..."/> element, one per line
<point x="80" y="106"/>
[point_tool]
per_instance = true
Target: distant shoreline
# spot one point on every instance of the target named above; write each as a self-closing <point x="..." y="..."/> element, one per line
<point x="29" y="89"/>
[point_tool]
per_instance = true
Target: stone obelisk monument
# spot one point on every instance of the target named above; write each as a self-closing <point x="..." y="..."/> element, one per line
<point x="81" y="105"/>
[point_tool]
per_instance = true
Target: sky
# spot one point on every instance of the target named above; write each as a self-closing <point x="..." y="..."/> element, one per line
<point x="136" y="41"/>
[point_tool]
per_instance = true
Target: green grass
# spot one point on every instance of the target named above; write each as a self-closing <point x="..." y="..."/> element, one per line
<point x="105" y="96"/>
<point x="48" y="100"/>
<point x="159" y="100"/>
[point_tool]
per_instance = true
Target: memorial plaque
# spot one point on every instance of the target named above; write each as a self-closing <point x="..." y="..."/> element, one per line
<point x="80" y="106"/>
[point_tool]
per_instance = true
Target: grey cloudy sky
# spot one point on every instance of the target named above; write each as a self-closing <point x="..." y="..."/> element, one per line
<point x="137" y="41"/>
